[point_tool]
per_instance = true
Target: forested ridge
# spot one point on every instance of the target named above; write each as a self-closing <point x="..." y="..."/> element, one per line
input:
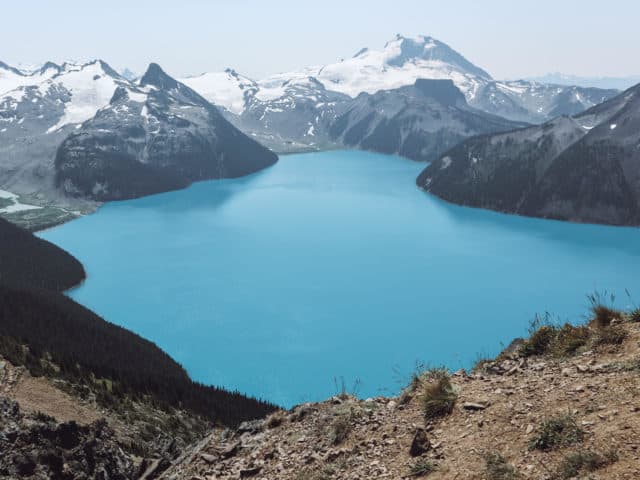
<point x="28" y="261"/>
<point x="63" y="338"/>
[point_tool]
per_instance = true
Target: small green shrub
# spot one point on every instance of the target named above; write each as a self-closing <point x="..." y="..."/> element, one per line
<point x="438" y="396"/>
<point x="556" y="432"/>
<point x="422" y="468"/>
<point x="584" y="461"/>
<point x="497" y="468"/>
<point x="634" y="315"/>
<point x="539" y="341"/>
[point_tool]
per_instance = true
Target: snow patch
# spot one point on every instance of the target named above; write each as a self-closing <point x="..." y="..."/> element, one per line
<point x="90" y="88"/>
<point x="16" y="206"/>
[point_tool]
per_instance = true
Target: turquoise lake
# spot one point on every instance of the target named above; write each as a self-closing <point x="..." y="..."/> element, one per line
<point x="334" y="265"/>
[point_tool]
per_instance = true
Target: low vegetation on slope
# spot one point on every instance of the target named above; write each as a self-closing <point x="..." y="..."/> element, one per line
<point x="82" y="346"/>
<point x="560" y="404"/>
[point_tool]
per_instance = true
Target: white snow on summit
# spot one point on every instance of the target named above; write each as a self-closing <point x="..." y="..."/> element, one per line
<point x="401" y="62"/>
<point x="91" y="88"/>
<point x="226" y="89"/>
<point x="13" y="78"/>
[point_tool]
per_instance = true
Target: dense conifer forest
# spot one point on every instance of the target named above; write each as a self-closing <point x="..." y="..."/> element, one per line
<point x="28" y="261"/>
<point x="50" y="334"/>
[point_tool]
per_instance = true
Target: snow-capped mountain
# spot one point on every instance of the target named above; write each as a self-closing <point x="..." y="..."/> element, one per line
<point x="279" y="109"/>
<point x="584" y="168"/>
<point x="292" y="113"/>
<point x="152" y="137"/>
<point x="36" y="117"/>
<point x="401" y="62"/>
<point x="12" y="77"/>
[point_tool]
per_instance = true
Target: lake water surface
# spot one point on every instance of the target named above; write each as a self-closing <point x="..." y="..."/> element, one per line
<point x="331" y="265"/>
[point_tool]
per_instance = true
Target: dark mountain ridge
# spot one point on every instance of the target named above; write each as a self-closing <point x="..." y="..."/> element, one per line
<point x="419" y="122"/>
<point x="33" y="313"/>
<point x="159" y="135"/>
<point x="584" y="168"/>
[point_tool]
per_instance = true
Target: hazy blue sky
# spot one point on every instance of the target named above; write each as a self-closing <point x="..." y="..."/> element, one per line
<point x="508" y="38"/>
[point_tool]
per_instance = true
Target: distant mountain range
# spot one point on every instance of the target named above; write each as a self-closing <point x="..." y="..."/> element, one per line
<point x="72" y="135"/>
<point x="258" y="106"/>
<point x="617" y="83"/>
<point x="584" y="168"/>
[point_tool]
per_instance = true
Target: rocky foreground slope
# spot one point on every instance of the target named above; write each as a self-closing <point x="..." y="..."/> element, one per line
<point x="563" y="404"/>
<point x="584" y="168"/>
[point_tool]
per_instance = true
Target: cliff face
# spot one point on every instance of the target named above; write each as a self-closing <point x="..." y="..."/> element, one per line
<point x="563" y="404"/>
<point x="584" y="168"/>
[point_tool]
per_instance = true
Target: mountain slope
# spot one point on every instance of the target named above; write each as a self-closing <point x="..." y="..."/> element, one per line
<point x="534" y="102"/>
<point x="292" y="113"/>
<point x="419" y="122"/>
<point x="153" y="137"/>
<point x="584" y="168"/>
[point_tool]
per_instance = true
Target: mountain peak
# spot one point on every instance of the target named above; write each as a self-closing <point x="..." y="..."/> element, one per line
<point x="404" y="49"/>
<point x="157" y="77"/>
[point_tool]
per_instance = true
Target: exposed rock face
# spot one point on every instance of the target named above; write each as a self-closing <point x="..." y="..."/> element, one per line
<point x="37" y="447"/>
<point x="584" y="168"/>
<point x="419" y="122"/>
<point x="151" y="138"/>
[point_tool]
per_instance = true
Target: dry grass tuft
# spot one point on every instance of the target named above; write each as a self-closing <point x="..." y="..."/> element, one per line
<point x="438" y="395"/>
<point x="556" y="432"/>
<point x="584" y="461"/>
